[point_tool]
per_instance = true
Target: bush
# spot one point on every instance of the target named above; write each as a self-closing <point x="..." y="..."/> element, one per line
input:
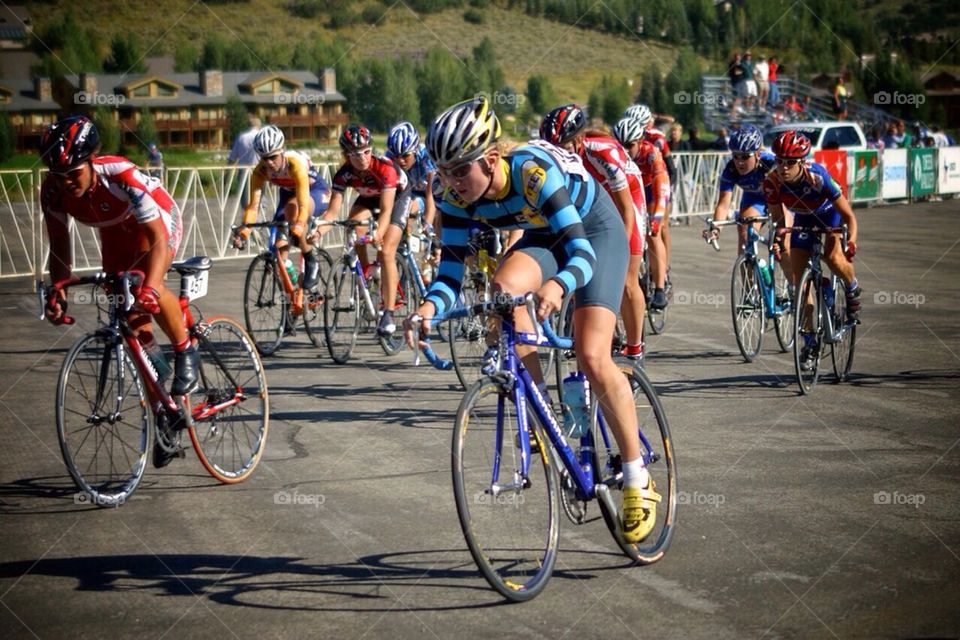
<point x="308" y="9"/>
<point x="7" y="138"/>
<point x="474" y="17"/>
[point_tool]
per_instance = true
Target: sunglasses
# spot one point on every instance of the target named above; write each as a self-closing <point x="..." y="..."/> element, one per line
<point x="272" y="156"/>
<point x="68" y="173"/>
<point x="789" y="162"/>
<point x="742" y="156"/>
<point x="458" y="172"/>
<point x="360" y="153"/>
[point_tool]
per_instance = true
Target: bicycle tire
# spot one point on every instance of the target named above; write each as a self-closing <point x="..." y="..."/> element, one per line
<point x="313" y="299"/>
<point x="807" y="287"/>
<point x="656" y="318"/>
<point x="341" y="312"/>
<point x="783" y="321"/>
<point x="106" y="458"/>
<point x="842" y="350"/>
<point x="513" y="536"/>
<point x="468" y="336"/>
<point x="407" y="302"/>
<point x="657" y="446"/>
<point x="265" y="305"/>
<point x="746" y="307"/>
<point x="231" y="441"/>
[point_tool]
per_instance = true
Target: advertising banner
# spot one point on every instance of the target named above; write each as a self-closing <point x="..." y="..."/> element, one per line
<point x="948" y="175"/>
<point x="923" y="172"/>
<point x="894" y="184"/>
<point x="836" y="164"/>
<point x="866" y="177"/>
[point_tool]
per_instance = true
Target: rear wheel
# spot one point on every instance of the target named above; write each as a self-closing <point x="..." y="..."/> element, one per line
<point x="341" y="312"/>
<point x="229" y="413"/>
<point x="746" y="306"/>
<point x="264" y="304"/>
<point x="841" y="351"/>
<point x="103" y="419"/>
<point x="808" y="330"/>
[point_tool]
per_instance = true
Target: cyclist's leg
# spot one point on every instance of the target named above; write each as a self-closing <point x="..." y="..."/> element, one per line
<point x="388" y="250"/>
<point x="362" y="209"/>
<point x="522" y="271"/>
<point x="634" y="306"/>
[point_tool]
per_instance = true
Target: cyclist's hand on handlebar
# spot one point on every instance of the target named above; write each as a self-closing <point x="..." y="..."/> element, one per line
<point x="423" y="316"/>
<point x="239" y="239"/>
<point x="56" y="308"/>
<point x="851" y="250"/>
<point x="550" y="297"/>
<point x="148" y="299"/>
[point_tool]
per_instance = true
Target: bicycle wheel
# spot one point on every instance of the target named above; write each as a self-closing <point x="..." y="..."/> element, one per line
<point x="405" y="304"/>
<point x="783" y="320"/>
<point x="564" y="360"/>
<point x="468" y="336"/>
<point x="313" y="299"/>
<point x="512" y="532"/>
<point x="746" y="307"/>
<point x="657" y="448"/>
<point x="808" y="328"/>
<point x="842" y="349"/>
<point x="657" y="319"/>
<point x="264" y="304"/>
<point x="341" y="312"/>
<point x="103" y="419"/>
<point x="230" y="410"/>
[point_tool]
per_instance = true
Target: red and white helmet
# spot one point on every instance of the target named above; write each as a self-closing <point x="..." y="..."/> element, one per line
<point x="791" y="145"/>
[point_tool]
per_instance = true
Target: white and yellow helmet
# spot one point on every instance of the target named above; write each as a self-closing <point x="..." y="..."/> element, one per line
<point x="462" y="133"/>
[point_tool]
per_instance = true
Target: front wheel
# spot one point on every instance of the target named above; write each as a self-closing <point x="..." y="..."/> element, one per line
<point x="841" y="351"/>
<point x="313" y="299"/>
<point x="783" y="319"/>
<point x="264" y="304"/>
<point x="406" y="303"/>
<point x="511" y="523"/>
<point x="468" y="336"/>
<point x="229" y="413"/>
<point x="656" y="448"/>
<point x="746" y="306"/>
<point x="808" y="344"/>
<point x="341" y="312"/>
<point x="103" y="419"/>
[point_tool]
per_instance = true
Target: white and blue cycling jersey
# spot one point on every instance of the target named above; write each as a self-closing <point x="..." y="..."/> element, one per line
<point x="750" y="183"/>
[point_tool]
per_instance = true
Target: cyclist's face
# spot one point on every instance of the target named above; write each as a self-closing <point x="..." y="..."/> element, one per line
<point x="76" y="180"/>
<point x="405" y="161"/>
<point x="468" y="180"/>
<point x="633" y="149"/>
<point x="745" y="162"/>
<point x="274" y="161"/>
<point x="789" y="169"/>
<point x="360" y="159"/>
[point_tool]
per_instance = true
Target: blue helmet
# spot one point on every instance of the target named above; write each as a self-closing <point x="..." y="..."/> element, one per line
<point x="746" y="139"/>
<point x="403" y="139"/>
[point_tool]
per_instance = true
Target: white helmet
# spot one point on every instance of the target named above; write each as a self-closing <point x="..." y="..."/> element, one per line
<point x="462" y="133"/>
<point x="639" y="112"/>
<point x="627" y="130"/>
<point x="269" y="140"/>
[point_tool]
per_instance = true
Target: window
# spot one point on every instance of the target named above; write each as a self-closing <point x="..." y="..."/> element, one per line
<point x="840" y="137"/>
<point x="165" y="91"/>
<point x="265" y="88"/>
<point x="142" y="91"/>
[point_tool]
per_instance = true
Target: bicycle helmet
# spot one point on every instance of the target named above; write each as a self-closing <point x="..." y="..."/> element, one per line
<point x="627" y="130"/>
<point x="354" y="138"/>
<point x="639" y="112"/>
<point x="791" y="144"/>
<point x="746" y="139"/>
<point x="69" y="142"/>
<point x="462" y="133"/>
<point x="403" y="139"/>
<point x="563" y="124"/>
<point x="268" y="141"/>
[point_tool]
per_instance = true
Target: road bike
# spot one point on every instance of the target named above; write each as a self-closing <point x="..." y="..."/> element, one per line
<point x="110" y="387"/>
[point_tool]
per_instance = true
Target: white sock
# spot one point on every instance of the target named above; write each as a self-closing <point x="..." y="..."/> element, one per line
<point x="635" y="474"/>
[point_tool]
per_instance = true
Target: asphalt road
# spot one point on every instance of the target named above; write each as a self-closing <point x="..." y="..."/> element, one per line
<point x="833" y="515"/>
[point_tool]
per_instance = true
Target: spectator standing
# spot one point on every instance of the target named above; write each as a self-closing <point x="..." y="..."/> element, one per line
<point x="875" y="140"/>
<point x="154" y="161"/>
<point x="748" y="65"/>
<point x="675" y="139"/>
<point x="696" y="144"/>
<point x="723" y="140"/>
<point x="774" y="68"/>
<point x="242" y="151"/>
<point x="738" y="78"/>
<point x="840" y="99"/>
<point x="893" y="138"/>
<point x="761" y="73"/>
<point x="908" y="139"/>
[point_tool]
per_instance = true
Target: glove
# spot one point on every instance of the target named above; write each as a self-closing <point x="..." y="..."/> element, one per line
<point x="56" y="307"/>
<point x="851" y="249"/>
<point x="148" y="299"/>
<point x="778" y="238"/>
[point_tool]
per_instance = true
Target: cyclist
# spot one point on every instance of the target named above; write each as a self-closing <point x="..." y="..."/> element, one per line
<point x="379" y="184"/>
<point x="747" y="170"/>
<point x="609" y="164"/>
<point x="139" y="225"/>
<point x="644" y="117"/>
<point x="302" y="192"/>
<point x="808" y="190"/>
<point x="569" y="221"/>
<point x="656" y="186"/>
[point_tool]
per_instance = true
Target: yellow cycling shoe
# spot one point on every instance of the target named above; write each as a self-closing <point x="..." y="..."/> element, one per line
<point x="639" y="512"/>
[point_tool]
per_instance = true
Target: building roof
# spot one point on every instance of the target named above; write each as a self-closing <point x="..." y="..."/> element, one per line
<point x="190" y="93"/>
<point x="24" y="97"/>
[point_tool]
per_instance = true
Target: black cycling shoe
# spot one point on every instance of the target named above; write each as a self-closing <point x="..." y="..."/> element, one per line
<point x="311" y="270"/>
<point x="167" y="433"/>
<point x="808" y="357"/>
<point x="659" y="300"/>
<point x="853" y="304"/>
<point x="185" y="377"/>
<point x="387" y="326"/>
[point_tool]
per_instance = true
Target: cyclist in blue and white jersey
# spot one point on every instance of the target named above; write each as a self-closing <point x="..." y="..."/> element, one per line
<point x="569" y="221"/>
<point x="405" y="149"/>
<point x="747" y="169"/>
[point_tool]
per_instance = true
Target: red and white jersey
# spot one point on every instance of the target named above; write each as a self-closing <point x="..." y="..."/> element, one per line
<point x="608" y="162"/>
<point x="120" y="199"/>
<point x="658" y="139"/>
<point x="382" y="175"/>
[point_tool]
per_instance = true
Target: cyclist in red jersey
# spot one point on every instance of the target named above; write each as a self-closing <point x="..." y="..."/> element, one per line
<point x="139" y="225"/>
<point x="606" y="161"/>
<point x="656" y="184"/>
<point x="381" y="184"/>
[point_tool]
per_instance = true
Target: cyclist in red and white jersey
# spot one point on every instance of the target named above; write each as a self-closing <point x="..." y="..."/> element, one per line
<point x="607" y="161"/>
<point x="381" y="184"/>
<point x="656" y="186"/>
<point x="139" y="225"/>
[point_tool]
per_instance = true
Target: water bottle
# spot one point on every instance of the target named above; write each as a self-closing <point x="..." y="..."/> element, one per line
<point x="155" y="354"/>
<point x="576" y="390"/>
<point x="291" y="270"/>
<point x="827" y="292"/>
<point x="765" y="274"/>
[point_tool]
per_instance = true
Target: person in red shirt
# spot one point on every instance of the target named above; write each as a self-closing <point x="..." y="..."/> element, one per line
<point x="381" y="184"/>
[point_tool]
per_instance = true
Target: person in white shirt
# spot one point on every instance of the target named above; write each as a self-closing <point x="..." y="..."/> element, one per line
<point x="242" y="152"/>
<point x="761" y="72"/>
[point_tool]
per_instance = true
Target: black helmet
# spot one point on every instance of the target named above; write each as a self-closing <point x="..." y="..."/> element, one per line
<point x="562" y="124"/>
<point x="69" y="142"/>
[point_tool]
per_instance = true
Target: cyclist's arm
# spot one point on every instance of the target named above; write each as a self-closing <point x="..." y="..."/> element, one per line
<point x="298" y="171"/>
<point x="625" y="206"/>
<point x="256" y="190"/>
<point x="846" y="214"/>
<point x="157" y="256"/>
<point x="387" y="198"/>
<point x="671" y="168"/>
<point x="429" y="206"/>
<point x="513" y="237"/>
<point x="455" y="235"/>
<point x="722" y="210"/>
<point x="61" y="254"/>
